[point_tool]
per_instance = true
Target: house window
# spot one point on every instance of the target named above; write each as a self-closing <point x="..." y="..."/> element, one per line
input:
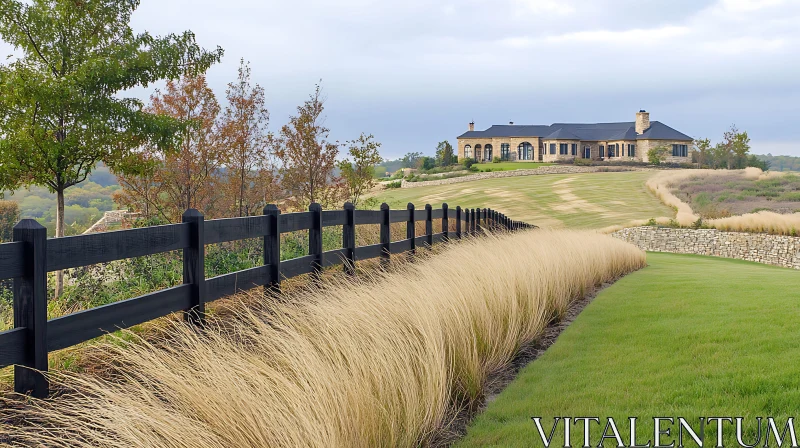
<point x="631" y="150"/>
<point x="468" y="152"/>
<point x="574" y="149"/>
<point x="487" y="152"/>
<point x="587" y="152"/>
<point x="505" y="151"/>
<point x="680" y="151"/>
<point x="612" y="150"/>
<point x="563" y="149"/>
<point x="602" y="151"/>
<point x="552" y="148"/>
<point x="525" y="151"/>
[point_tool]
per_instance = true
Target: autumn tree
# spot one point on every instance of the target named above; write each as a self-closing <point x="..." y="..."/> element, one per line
<point x="702" y="147"/>
<point x="358" y="170"/>
<point x="308" y="158"/>
<point x="9" y="215"/>
<point x="61" y="111"/>
<point x="187" y="177"/>
<point x="444" y="153"/>
<point x="249" y="176"/>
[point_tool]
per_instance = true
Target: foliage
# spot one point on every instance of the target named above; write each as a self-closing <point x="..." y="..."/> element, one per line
<point x="468" y="162"/>
<point x="733" y="152"/>
<point x="701" y="148"/>
<point x="412" y="160"/>
<point x="658" y="154"/>
<point x="175" y="181"/>
<point x="9" y="216"/>
<point x="358" y="170"/>
<point x="60" y="110"/>
<point x="582" y="162"/>
<point x="308" y="158"/>
<point x="427" y="163"/>
<point x="444" y="153"/>
<point x="781" y="163"/>
<point x="248" y="182"/>
<point x="394" y="184"/>
<point x="496" y="159"/>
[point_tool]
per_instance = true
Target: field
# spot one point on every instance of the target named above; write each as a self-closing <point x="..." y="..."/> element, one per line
<point x="734" y="194"/>
<point x="591" y="200"/>
<point x="509" y="166"/>
<point x="687" y="336"/>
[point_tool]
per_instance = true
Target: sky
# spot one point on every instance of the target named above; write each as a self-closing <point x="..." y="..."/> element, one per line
<point x="415" y="72"/>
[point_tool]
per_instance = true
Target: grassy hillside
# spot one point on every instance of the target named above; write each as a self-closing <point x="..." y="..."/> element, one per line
<point x="687" y="336"/>
<point x="590" y="200"/>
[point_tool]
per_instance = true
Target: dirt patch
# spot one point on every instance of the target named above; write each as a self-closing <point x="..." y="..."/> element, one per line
<point x="527" y="354"/>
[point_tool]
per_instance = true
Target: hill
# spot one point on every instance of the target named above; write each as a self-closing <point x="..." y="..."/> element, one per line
<point x="591" y="200"/>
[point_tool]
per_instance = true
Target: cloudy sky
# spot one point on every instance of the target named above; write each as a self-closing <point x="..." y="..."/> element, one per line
<point x="415" y="72"/>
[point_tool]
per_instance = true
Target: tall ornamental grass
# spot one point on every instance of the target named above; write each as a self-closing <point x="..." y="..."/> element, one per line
<point x="386" y="361"/>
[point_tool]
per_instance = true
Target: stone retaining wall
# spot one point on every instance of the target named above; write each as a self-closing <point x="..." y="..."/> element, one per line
<point x="554" y="169"/>
<point x="776" y="250"/>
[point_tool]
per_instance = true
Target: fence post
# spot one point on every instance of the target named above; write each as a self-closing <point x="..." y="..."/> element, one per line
<point x="315" y="240"/>
<point x="272" y="249"/>
<point x="472" y="222"/>
<point x="429" y="225"/>
<point x="194" y="267"/>
<point x="458" y="222"/>
<point x="445" y="222"/>
<point x="30" y="309"/>
<point x="411" y="228"/>
<point x="386" y="236"/>
<point x="349" y="238"/>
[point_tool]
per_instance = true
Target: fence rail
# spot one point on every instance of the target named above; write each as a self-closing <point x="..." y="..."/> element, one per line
<point x="31" y="256"/>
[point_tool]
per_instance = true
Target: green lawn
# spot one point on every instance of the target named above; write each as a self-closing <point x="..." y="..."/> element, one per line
<point x="687" y="336"/>
<point x="586" y="200"/>
<point x="508" y="166"/>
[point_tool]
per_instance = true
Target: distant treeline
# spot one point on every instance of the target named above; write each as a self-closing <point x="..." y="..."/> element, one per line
<point x="781" y="163"/>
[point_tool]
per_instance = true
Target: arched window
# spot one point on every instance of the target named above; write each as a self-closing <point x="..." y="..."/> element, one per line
<point x="525" y="151"/>
<point x="478" y="152"/>
<point x="487" y="153"/>
<point x="468" y="152"/>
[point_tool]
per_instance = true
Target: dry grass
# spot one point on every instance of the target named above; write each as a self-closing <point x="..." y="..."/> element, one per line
<point x="383" y="363"/>
<point x="764" y="221"/>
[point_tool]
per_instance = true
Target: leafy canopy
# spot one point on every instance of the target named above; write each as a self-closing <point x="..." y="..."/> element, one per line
<point x="59" y="109"/>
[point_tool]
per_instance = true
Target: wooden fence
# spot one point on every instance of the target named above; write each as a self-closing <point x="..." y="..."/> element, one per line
<point x="31" y="256"/>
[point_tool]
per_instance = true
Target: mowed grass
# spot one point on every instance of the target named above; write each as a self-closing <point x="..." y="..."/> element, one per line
<point x="687" y="336"/>
<point x="508" y="166"/>
<point x="587" y="200"/>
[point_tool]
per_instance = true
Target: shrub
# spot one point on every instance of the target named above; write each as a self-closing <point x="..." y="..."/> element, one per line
<point x="395" y="184"/>
<point x="468" y="162"/>
<point x="583" y="162"/>
<point x="496" y="160"/>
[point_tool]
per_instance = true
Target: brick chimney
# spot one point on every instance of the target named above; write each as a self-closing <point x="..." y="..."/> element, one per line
<point x="642" y="121"/>
<point x="471" y="125"/>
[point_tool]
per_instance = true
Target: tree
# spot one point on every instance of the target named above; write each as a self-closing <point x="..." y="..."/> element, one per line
<point x="188" y="177"/>
<point x="658" y="154"/>
<point x="754" y="161"/>
<point x="59" y="110"/>
<point x="249" y="178"/>
<point x="411" y="160"/>
<point x="308" y="159"/>
<point x="426" y="163"/>
<point x="702" y="146"/>
<point x="358" y="173"/>
<point x="444" y="153"/>
<point x="9" y="215"/>
<point x="740" y="146"/>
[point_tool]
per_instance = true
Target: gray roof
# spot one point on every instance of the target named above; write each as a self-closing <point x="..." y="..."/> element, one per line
<point x="582" y="131"/>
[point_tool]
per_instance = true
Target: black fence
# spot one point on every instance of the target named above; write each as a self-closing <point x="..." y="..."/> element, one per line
<point x="31" y="256"/>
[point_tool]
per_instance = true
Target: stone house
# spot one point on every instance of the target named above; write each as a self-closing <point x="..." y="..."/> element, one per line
<point x="567" y="141"/>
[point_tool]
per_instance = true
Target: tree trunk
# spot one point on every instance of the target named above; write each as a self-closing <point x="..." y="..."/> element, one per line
<point x="59" y="234"/>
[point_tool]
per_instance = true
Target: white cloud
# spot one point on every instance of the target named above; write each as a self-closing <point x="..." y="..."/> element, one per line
<point x="558" y="7"/>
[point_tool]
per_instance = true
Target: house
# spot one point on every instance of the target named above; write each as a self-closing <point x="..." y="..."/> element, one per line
<point x="567" y="141"/>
